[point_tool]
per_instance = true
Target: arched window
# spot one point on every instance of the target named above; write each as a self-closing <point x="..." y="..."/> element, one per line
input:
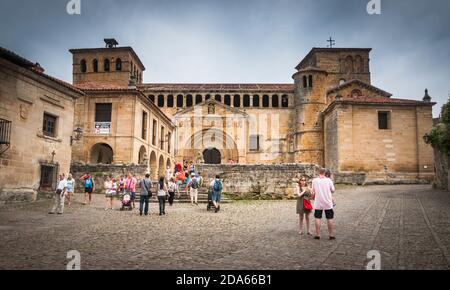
<point x="358" y="64"/>
<point x="275" y="101"/>
<point x="160" y="101"/>
<point x="305" y="82"/>
<point x="106" y="65"/>
<point x="95" y="65"/>
<point x="83" y="66"/>
<point x="349" y="64"/>
<point x="198" y="99"/>
<point x="227" y="100"/>
<point x="310" y="81"/>
<point x="207" y="97"/>
<point x="170" y="101"/>
<point x="189" y="101"/>
<point x="285" y="101"/>
<point x="237" y="101"/>
<point x="218" y="98"/>
<point x="152" y="98"/>
<point x="180" y="101"/>
<point x="118" y="64"/>
<point x="246" y="101"/>
<point x="266" y="101"/>
<point x="255" y="100"/>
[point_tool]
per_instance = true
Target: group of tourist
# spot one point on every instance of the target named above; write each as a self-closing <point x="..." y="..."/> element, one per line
<point x="321" y="192"/>
<point x="165" y="188"/>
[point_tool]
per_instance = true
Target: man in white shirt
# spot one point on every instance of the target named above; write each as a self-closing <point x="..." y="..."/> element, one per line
<point x="322" y="190"/>
<point x="59" y="196"/>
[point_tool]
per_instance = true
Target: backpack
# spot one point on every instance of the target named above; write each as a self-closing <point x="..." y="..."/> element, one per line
<point x="217" y="186"/>
<point x="148" y="187"/>
<point x="194" y="183"/>
<point x="88" y="182"/>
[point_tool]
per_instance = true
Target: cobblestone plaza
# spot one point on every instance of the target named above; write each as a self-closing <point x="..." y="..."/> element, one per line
<point x="408" y="224"/>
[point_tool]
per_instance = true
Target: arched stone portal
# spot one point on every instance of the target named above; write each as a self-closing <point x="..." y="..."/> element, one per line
<point x="207" y="139"/>
<point x="101" y="153"/>
<point x="212" y="156"/>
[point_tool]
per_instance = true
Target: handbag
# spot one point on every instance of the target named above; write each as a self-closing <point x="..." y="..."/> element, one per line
<point x="307" y="204"/>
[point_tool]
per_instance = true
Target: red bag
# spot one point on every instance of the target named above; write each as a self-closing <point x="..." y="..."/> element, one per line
<point x="307" y="204"/>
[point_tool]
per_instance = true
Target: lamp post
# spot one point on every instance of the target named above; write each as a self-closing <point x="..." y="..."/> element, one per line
<point x="78" y="133"/>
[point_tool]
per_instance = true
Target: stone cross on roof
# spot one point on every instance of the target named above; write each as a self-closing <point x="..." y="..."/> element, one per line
<point x="332" y="42"/>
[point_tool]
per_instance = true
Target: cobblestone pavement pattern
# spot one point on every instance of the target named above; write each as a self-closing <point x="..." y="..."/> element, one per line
<point x="408" y="224"/>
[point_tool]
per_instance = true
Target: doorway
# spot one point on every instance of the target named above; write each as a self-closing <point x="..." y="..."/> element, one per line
<point x="212" y="156"/>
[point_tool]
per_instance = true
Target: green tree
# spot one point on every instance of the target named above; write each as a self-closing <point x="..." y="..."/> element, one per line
<point x="439" y="137"/>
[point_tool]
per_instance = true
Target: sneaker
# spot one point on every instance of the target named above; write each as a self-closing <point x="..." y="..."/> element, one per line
<point x="50" y="212"/>
<point x="60" y="213"/>
<point x="317" y="238"/>
<point x="140" y="213"/>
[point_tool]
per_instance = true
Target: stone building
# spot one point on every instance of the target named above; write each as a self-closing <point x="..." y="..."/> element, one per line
<point x="36" y="127"/>
<point x="331" y="115"/>
<point x="120" y="124"/>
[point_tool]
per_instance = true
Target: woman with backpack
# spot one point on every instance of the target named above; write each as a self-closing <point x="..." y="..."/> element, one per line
<point x="304" y="206"/>
<point x="162" y="195"/>
<point x="216" y="189"/>
<point x="89" y="187"/>
<point x="193" y="186"/>
<point x="172" y="187"/>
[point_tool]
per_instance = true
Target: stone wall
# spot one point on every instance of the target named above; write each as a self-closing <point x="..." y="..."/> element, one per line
<point x="99" y="173"/>
<point x="259" y="181"/>
<point x="441" y="175"/>
<point x="25" y="97"/>
<point x="397" y="155"/>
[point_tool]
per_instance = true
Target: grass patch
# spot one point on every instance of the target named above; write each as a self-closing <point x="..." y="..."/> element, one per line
<point x="251" y="196"/>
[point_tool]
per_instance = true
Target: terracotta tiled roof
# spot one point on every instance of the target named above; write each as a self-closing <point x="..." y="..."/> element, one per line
<point x="360" y="83"/>
<point x="96" y="86"/>
<point x="35" y="67"/>
<point x="383" y="100"/>
<point x="377" y="100"/>
<point x="217" y="87"/>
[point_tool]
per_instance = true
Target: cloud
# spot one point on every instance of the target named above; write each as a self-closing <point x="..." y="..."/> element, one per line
<point x="241" y="40"/>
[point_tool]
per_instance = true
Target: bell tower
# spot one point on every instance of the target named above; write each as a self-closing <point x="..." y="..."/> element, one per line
<point x="111" y="65"/>
<point x="321" y="70"/>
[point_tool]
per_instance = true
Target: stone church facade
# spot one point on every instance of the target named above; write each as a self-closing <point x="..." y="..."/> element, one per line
<point x="331" y="115"/>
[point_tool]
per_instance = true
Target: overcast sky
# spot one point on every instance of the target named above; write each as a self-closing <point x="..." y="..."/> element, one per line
<point x="242" y="41"/>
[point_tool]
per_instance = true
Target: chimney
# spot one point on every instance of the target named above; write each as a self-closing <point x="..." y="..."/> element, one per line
<point x="427" y="97"/>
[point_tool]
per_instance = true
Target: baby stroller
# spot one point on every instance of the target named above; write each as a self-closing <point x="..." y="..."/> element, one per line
<point x="126" y="202"/>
